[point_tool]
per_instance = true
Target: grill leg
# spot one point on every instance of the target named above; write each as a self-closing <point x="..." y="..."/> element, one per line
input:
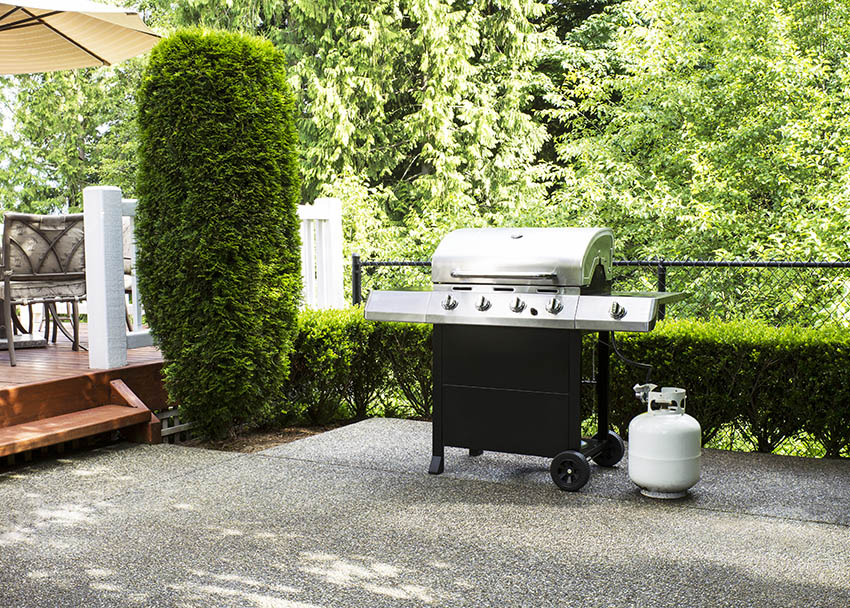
<point x="603" y="355"/>
<point x="437" y="458"/>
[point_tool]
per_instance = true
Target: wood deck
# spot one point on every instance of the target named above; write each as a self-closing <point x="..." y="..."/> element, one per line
<point x="52" y="398"/>
<point x="57" y="361"/>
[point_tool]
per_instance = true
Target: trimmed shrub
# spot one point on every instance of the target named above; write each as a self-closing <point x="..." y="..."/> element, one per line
<point x="219" y="265"/>
<point x="368" y="374"/>
<point x="320" y="366"/>
<point x="341" y="367"/>
<point x="769" y="383"/>
<point x="408" y="348"/>
<point x="822" y="388"/>
<point x="695" y="356"/>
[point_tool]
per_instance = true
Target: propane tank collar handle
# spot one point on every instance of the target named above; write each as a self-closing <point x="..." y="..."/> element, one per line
<point x="642" y="391"/>
<point x="662" y="399"/>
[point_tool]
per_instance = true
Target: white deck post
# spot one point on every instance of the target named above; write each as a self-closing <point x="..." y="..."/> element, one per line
<point x="321" y="253"/>
<point x="332" y="254"/>
<point x="105" y="277"/>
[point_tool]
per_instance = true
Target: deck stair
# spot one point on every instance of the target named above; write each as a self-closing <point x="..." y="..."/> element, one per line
<point x="43" y="414"/>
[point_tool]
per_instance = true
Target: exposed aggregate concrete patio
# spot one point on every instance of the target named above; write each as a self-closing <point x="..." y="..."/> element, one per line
<point x="351" y="518"/>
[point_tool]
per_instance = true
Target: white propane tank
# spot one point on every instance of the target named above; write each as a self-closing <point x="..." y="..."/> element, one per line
<point x="664" y="444"/>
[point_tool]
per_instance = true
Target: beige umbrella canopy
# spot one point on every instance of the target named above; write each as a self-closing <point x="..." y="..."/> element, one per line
<point x="46" y="35"/>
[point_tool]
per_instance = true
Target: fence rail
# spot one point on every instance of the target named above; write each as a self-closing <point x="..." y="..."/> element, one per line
<point x="778" y="292"/>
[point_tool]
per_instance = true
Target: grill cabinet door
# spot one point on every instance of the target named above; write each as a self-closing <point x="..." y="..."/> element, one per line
<point x="508" y="389"/>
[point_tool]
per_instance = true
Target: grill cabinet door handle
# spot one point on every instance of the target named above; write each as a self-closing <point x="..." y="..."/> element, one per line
<point x="470" y="274"/>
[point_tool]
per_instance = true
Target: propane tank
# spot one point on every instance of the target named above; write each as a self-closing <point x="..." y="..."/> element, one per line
<point x="664" y="443"/>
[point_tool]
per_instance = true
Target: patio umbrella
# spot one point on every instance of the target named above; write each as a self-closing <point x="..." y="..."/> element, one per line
<point x="46" y="35"/>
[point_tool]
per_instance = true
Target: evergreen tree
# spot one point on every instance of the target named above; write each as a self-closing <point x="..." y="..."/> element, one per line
<point x="217" y="227"/>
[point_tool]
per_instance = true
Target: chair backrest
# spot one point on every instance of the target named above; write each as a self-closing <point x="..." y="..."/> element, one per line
<point x="127" y="240"/>
<point x="45" y="254"/>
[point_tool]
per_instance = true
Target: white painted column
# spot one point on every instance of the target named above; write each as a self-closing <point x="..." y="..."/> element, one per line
<point x="105" y="277"/>
<point x="336" y="290"/>
<point x="330" y="262"/>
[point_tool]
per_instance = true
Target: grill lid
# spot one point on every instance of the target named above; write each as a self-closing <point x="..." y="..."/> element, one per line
<point x="564" y="257"/>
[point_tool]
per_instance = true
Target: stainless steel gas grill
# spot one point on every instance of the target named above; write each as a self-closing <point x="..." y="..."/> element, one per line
<point x="509" y="308"/>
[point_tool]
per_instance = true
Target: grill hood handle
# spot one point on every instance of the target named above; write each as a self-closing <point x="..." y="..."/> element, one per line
<point x="471" y="274"/>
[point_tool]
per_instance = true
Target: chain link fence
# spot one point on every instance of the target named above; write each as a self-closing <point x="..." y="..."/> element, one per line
<point x="777" y="292"/>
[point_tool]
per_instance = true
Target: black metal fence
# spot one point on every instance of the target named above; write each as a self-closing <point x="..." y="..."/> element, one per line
<point x="776" y="292"/>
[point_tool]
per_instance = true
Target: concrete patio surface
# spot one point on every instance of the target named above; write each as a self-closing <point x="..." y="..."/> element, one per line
<point x="350" y="518"/>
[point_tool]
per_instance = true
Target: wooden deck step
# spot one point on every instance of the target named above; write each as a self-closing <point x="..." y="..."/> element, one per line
<point x="67" y="427"/>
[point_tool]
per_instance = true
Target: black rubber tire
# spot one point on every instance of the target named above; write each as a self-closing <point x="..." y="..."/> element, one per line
<point x="570" y="470"/>
<point x="613" y="451"/>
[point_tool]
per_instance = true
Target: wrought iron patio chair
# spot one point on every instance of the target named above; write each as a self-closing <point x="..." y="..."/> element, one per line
<point x="43" y="263"/>
<point x="129" y="271"/>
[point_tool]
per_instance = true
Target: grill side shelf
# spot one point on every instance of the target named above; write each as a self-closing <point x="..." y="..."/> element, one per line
<point x="661" y="297"/>
<point x="404" y="306"/>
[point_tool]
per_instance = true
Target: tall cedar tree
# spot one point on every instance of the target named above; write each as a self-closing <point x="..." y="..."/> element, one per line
<point x="219" y="266"/>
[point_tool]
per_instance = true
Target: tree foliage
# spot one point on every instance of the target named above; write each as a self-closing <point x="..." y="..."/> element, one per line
<point x="423" y="105"/>
<point x="65" y="131"/>
<point x="708" y="129"/>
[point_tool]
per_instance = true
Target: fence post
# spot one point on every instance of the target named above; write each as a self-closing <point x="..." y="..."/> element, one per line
<point x="356" y="279"/>
<point x="662" y="286"/>
<point x="105" y="277"/>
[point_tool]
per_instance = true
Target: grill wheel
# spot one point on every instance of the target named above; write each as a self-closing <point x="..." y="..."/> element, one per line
<point x="570" y="470"/>
<point x="613" y="451"/>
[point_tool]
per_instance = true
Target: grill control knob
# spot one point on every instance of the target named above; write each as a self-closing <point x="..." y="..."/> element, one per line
<point x="449" y="303"/>
<point x="517" y="305"/>
<point x="554" y="306"/>
<point x="618" y="311"/>
<point x="482" y="304"/>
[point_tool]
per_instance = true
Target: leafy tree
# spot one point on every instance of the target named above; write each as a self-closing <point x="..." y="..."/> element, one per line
<point x="266" y="18"/>
<point x="556" y="94"/>
<point x="422" y="105"/>
<point x="425" y="104"/>
<point x="702" y="129"/>
<point x="67" y="130"/>
<point x="708" y="129"/>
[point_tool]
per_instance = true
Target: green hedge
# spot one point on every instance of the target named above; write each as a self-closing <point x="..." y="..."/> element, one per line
<point x="320" y="366"/>
<point x="219" y="260"/>
<point x="344" y="367"/>
<point x="768" y="385"/>
<point x="408" y="348"/>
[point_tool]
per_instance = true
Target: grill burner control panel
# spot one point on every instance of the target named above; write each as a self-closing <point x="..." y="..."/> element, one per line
<point x="634" y="311"/>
